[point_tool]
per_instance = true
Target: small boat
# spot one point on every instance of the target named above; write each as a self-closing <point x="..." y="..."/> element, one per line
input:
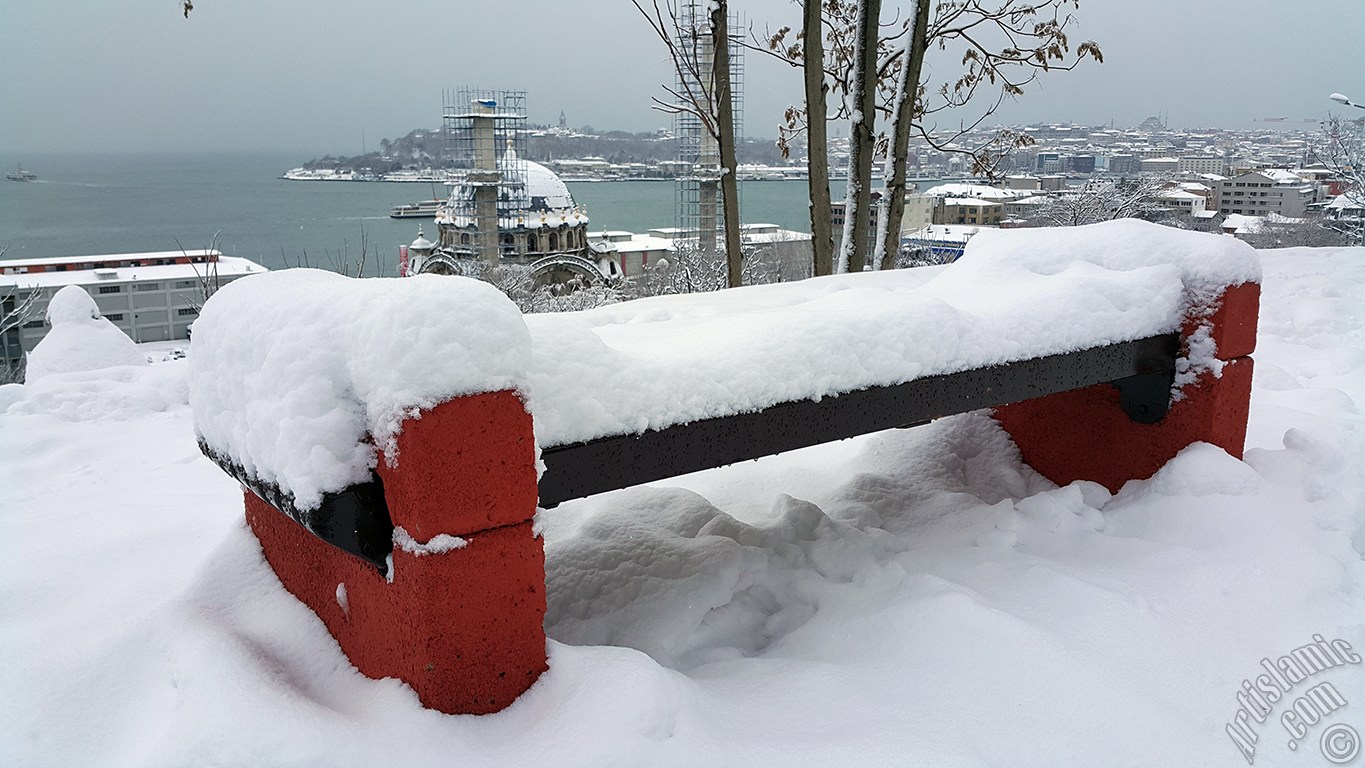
<point x="425" y="209"/>
<point x="19" y="174"/>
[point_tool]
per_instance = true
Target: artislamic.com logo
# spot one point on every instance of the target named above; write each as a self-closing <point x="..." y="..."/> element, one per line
<point x="1339" y="743"/>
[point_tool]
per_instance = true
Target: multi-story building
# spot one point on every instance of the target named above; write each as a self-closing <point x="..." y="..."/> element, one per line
<point x="1203" y="164"/>
<point x="1184" y="201"/>
<point x="1160" y="165"/>
<point x="970" y="210"/>
<point x="1124" y="165"/>
<point x="958" y="203"/>
<point x="919" y="211"/>
<point x="1022" y="209"/>
<point x="1023" y="182"/>
<point x="1270" y="190"/>
<point x="836" y="210"/>
<point x="1080" y="164"/>
<point x="149" y="296"/>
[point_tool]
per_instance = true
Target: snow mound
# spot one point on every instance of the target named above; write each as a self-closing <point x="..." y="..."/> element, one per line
<point x="112" y="394"/>
<point x="80" y="339"/>
<point x="301" y="376"/>
<point x="667" y="572"/>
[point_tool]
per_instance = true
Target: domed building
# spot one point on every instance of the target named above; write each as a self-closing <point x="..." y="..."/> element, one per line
<point x="506" y="210"/>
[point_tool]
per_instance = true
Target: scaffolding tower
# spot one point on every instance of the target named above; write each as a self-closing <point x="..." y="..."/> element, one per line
<point x="697" y="198"/>
<point x="485" y="145"/>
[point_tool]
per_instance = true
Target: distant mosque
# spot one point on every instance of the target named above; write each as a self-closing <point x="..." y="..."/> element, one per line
<point x="505" y="210"/>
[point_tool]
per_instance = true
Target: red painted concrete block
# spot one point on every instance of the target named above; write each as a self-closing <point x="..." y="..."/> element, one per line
<point x="1233" y="320"/>
<point x="464" y="627"/>
<point x="466" y="465"/>
<point x="1085" y="435"/>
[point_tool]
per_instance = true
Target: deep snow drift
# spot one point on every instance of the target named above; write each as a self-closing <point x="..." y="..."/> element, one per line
<point x="915" y="597"/>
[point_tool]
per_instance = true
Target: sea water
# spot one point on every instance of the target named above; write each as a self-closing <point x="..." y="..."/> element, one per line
<point x="85" y="205"/>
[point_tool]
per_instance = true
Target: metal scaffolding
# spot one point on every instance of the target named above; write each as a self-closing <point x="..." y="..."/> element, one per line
<point x="697" y="198"/>
<point x="485" y="146"/>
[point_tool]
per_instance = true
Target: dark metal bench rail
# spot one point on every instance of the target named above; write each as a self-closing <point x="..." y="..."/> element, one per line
<point x="1143" y="370"/>
<point x="357" y="519"/>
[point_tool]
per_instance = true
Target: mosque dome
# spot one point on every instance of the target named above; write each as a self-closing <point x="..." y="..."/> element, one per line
<point x="547" y="192"/>
<point x="543" y="191"/>
<point x="421" y="243"/>
<point x="538" y="224"/>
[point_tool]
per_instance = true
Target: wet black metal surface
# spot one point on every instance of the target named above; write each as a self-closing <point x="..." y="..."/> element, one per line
<point x="355" y="520"/>
<point x="1141" y="369"/>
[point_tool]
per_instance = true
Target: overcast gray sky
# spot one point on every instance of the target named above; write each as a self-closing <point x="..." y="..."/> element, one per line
<point x="309" y="76"/>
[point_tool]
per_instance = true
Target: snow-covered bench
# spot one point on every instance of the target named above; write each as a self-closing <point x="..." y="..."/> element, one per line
<point x="398" y="436"/>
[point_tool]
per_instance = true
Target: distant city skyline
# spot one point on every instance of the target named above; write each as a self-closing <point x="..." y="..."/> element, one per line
<point x="312" y="78"/>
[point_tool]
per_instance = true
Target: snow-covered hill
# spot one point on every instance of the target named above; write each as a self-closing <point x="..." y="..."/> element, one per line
<point x="916" y="597"/>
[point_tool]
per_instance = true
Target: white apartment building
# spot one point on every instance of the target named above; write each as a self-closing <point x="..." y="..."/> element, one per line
<point x="953" y="203"/>
<point x="149" y="296"/>
<point x="1166" y="166"/>
<point x="1273" y="190"/>
<point x="1181" y="200"/>
<point x="1023" y="182"/>
<point x="1203" y="164"/>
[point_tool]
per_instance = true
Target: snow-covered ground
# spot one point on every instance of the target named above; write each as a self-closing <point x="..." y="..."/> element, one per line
<point x="916" y="597"/>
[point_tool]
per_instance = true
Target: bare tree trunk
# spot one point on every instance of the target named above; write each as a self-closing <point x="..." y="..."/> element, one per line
<point x="817" y="139"/>
<point x="725" y="126"/>
<point x="907" y="94"/>
<point x="862" y="137"/>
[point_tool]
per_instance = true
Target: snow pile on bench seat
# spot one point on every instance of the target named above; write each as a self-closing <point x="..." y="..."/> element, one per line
<point x="1015" y="294"/>
<point x="298" y="376"/>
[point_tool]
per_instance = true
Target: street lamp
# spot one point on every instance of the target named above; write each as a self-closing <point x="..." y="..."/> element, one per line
<point x="1341" y="99"/>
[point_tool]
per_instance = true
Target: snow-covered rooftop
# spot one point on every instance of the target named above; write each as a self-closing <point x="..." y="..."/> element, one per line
<point x="1282" y="176"/>
<point x="1178" y="194"/>
<point x="226" y="266"/>
<point x="1348" y="200"/>
<point x="641" y="243"/>
<point x="979" y="191"/>
<point x="1248" y="224"/>
<point x="196" y="255"/>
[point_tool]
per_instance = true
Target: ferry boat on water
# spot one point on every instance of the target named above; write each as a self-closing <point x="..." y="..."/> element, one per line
<point x="425" y="209"/>
<point x="19" y="174"/>
<point x="411" y="175"/>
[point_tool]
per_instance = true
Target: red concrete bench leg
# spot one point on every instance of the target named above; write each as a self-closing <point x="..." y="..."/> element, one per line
<point x="463" y="627"/>
<point x="1085" y="434"/>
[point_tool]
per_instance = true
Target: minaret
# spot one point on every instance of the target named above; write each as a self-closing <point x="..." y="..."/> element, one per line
<point x="420" y="250"/>
<point x="484" y="179"/>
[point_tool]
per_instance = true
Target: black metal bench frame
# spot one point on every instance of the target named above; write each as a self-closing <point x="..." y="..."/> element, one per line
<point x="357" y="519"/>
